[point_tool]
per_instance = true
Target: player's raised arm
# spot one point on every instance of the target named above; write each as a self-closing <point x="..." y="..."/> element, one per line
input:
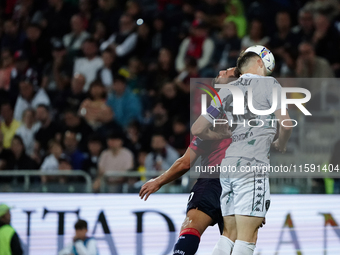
<point x="180" y="167"/>
<point x="284" y="131"/>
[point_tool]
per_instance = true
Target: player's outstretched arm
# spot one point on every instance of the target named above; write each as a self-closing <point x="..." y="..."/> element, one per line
<point x="180" y="167"/>
<point x="284" y="131"/>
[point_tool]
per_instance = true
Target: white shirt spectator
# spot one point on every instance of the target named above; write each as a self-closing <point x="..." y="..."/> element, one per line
<point x="50" y="164"/>
<point x="27" y="136"/>
<point x="207" y="52"/>
<point x="75" y="40"/>
<point x="87" y="247"/>
<point x="88" y="68"/>
<point x="124" y="48"/>
<point x="22" y="104"/>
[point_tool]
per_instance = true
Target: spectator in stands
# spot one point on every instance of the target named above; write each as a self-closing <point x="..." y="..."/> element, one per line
<point x="161" y="72"/>
<point x="7" y="64"/>
<point x="65" y="163"/>
<point x="309" y="65"/>
<point x="21" y="161"/>
<point x="280" y="42"/>
<point x="183" y="78"/>
<point x="105" y="74"/>
<point x="56" y="19"/>
<point x="57" y="74"/>
<point x="109" y="12"/>
<point x="161" y="122"/>
<point x="30" y="97"/>
<point x="305" y="28"/>
<point x="256" y="35"/>
<point x="5" y="154"/>
<point x="29" y="127"/>
<point x="172" y="99"/>
<point x="94" y="109"/>
<point x="162" y="155"/>
<point x="198" y="46"/>
<point x="124" y="103"/>
<point x="228" y="47"/>
<point x="74" y="40"/>
<point x="37" y="47"/>
<point x="86" y="13"/>
<point x="95" y="148"/>
<point x="72" y="97"/>
<point x="70" y="141"/>
<point x="81" y="243"/>
<point x="12" y="37"/>
<point x="49" y="129"/>
<point x="115" y="159"/>
<point x="136" y="77"/>
<point x="123" y="42"/>
<point x="9" y="125"/>
<point x="73" y="122"/>
<point x="20" y="72"/>
<point x="90" y="63"/>
<point x="51" y="162"/>
<point x="180" y="139"/>
<point x="326" y="40"/>
<point x="100" y="32"/>
<point x="11" y="243"/>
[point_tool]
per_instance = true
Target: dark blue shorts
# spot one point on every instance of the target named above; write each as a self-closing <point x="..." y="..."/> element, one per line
<point x="205" y="196"/>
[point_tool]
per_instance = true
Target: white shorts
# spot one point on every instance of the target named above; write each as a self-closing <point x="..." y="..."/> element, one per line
<point x="244" y="193"/>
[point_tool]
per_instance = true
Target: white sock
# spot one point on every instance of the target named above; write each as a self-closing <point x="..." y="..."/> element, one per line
<point x="224" y="246"/>
<point x="243" y="248"/>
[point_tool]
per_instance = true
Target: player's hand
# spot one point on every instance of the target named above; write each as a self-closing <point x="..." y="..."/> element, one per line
<point x="148" y="188"/>
<point x="280" y="147"/>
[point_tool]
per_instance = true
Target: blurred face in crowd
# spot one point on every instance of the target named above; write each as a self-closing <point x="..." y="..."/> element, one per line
<point x="119" y="87"/>
<point x="132" y="8"/>
<point x="64" y="165"/>
<point x="97" y="91"/>
<point x="200" y="32"/>
<point x="114" y="143"/>
<point x="306" y="52"/>
<point x="256" y="30"/>
<point x="17" y="147"/>
<point x="306" y="21"/>
<point x="7" y="112"/>
<point x="126" y="24"/>
<point x="77" y="84"/>
<point x="159" y="110"/>
<point x="108" y="58"/>
<point x="77" y="24"/>
<point x="58" y="53"/>
<point x="134" y="66"/>
<point x="179" y="127"/>
<point x="158" y="142"/>
<point x="158" y="24"/>
<point x="71" y="119"/>
<point x="6" y="218"/>
<point x="6" y="59"/>
<point x="169" y="90"/>
<point x="70" y="141"/>
<point x="10" y="28"/>
<point x="229" y="30"/>
<point x="94" y="147"/>
<point x="54" y="2"/>
<point x="28" y="117"/>
<point x="141" y="158"/>
<point x="21" y="65"/>
<point x="56" y="150"/>
<point x="26" y="90"/>
<point x="33" y="33"/>
<point x="143" y="31"/>
<point x="90" y="49"/>
<point x="84" y="5"/>
<point x="321" y="22"/>
<point x="164" y="56"/>
<point x="81" y="233"/>
<point x="283" y="21"/>
<point x="42" y="114"/>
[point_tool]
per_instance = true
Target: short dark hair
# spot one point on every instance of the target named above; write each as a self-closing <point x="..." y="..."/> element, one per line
<point x="242" y="60"/>
<point x="90" y="40"/>
<point x="44" y="106"/>
<point x="80" y="224"/>
<point x="120" y="78"/>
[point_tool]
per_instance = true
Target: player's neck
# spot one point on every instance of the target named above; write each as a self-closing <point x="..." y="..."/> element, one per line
<point x="255" y="70"/>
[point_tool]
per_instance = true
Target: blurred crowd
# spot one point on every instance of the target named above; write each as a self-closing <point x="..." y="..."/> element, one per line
<point x="104" y="85"/>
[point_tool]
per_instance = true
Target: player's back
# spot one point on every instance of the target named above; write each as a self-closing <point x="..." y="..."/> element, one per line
<point x="252" y="134"/>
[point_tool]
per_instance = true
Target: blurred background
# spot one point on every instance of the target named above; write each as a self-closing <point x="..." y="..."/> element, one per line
<point x="95" y="94"/>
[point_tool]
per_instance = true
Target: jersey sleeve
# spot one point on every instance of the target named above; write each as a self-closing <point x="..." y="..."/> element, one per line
<point x="199" y="146"/>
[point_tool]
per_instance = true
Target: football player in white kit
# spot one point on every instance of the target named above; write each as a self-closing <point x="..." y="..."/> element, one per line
<point x="252" y="136"/>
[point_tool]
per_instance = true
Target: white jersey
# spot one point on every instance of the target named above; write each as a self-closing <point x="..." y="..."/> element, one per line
<point x="252" y="134"/>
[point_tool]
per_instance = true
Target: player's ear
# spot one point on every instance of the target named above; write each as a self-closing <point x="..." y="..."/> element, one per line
<point x="260" y="62"/>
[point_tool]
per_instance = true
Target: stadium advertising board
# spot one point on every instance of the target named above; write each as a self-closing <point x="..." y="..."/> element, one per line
<point x="125" y="225"/>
